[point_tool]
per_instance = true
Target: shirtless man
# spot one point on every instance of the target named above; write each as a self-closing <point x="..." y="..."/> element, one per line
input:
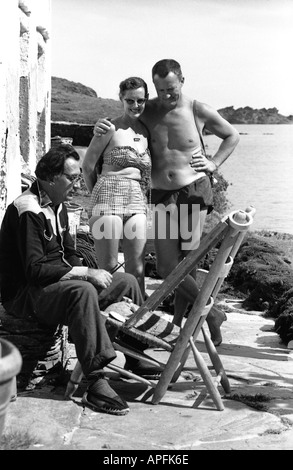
<point x="180" y="171"/>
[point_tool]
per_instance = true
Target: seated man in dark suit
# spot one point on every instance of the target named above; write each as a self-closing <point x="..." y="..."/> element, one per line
<point x="42" y="276"/>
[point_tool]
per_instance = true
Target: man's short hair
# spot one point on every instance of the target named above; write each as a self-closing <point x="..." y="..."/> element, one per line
<point x="52" y="163"/>
<point x="164" y="66"/>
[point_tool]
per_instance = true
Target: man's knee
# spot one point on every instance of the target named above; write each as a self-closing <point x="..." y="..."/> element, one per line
<point x="125" y="279"/>
<point x="83" y="289"/>
<point x="126" y="285"/>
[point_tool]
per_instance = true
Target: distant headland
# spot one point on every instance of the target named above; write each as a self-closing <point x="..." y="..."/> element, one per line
<point x="249" y="115"/>
<point x="76" y="108"/>
<point x="74" y="102"/>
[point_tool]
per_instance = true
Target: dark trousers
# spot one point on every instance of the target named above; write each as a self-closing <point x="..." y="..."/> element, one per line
<point x="77" y="304"/>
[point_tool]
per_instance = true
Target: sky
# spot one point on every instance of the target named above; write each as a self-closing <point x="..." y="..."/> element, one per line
<point x="232" y="52"/>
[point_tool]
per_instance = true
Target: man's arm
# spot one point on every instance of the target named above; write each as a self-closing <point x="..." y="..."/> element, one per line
<point x="211" y="120"/>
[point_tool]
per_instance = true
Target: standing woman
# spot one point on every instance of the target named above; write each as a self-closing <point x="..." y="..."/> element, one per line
<point x="117" y="172"/>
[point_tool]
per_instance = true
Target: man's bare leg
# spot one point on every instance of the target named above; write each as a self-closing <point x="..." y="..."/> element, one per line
<point x="187" y="290"/>
<point x="168" y="256"/>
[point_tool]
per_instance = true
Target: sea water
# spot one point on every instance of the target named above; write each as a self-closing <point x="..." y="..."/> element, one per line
<point x="260" y="173"/>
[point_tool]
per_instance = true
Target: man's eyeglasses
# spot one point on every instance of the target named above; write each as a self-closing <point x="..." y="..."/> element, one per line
<point x="139" y="101"/>
<point x="73" y="178"/>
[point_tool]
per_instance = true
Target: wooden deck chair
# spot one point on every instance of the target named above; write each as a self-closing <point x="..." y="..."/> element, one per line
<point x="146" y="325"/>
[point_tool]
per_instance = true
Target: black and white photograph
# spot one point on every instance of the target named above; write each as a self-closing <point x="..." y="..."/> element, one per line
<point x="146" y="228"/>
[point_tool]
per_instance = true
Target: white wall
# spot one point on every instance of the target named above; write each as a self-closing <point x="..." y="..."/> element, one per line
<point x="25" y="91"/>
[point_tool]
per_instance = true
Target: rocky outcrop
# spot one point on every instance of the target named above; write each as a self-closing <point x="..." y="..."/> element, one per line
<point x="262" y="273"/>
<point x="284" y="312"/>
<point x="249" y="115"/>
<point x="76" y="103"/>
<point x="60" y="85"/>
<point x="264" y="276"/>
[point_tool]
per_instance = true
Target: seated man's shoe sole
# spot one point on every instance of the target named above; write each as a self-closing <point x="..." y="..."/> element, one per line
<point x="103" y="404"/>
<point x="151" y="373"/>
<point x="100" y="397"/>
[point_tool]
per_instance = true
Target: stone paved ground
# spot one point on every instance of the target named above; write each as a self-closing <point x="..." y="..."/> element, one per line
<point x="258" y="414"/>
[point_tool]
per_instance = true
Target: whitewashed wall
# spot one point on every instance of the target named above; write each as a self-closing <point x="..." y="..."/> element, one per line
<point x="25" y="91"/>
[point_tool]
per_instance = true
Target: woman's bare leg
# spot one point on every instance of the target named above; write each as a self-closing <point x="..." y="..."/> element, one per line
<point x="107" y="232"/>
<point x="134" y="244"/>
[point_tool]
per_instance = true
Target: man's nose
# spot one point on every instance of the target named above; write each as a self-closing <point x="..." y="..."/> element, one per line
<point x="76" y="184"/>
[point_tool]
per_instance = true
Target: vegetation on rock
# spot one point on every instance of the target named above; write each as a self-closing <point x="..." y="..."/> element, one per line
<point x="261" y="271"/>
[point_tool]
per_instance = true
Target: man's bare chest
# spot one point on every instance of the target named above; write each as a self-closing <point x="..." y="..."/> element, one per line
<point x="180" y="133"/>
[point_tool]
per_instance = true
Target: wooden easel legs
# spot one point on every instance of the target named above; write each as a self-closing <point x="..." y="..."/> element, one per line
<point x="217" y="363"/>
<point x="206" y="376"/>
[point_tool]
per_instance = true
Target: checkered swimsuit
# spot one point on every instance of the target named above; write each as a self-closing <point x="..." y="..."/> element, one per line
<point x="118" y="195"/>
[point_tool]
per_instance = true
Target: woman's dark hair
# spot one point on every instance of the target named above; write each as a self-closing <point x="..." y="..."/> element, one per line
<point x="52" y="163"/>
<point x="164" y="66"/>
<point x="132" y="83"/>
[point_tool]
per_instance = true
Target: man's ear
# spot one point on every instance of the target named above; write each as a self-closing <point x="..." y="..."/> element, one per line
<point x="182" y="80"/>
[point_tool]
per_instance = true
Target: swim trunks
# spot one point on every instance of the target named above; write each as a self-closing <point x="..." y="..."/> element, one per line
<point x="198" y="192"/>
